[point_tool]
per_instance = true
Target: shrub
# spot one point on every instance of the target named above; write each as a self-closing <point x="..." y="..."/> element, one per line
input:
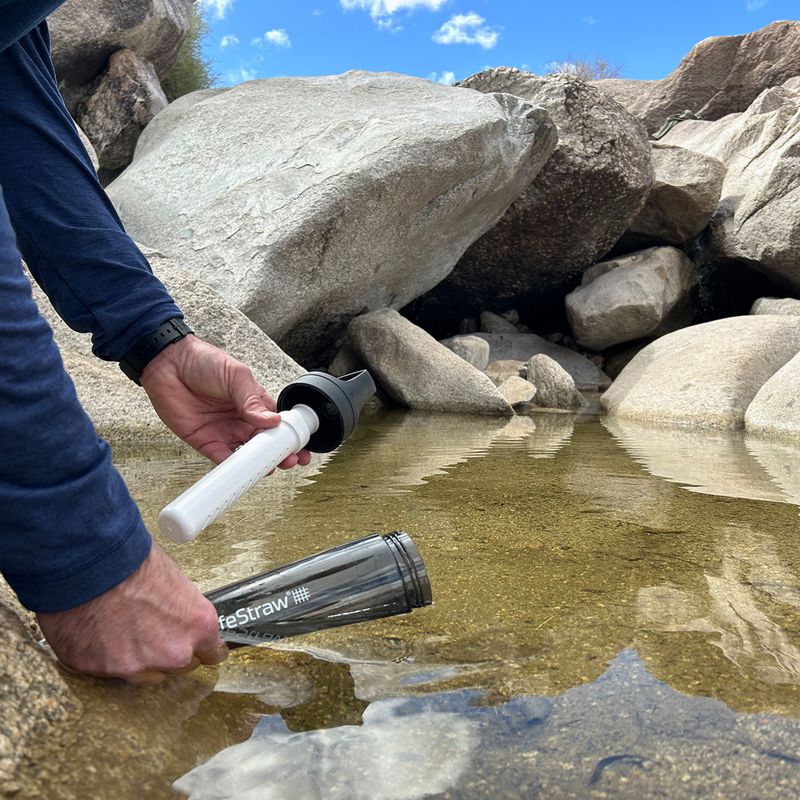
<point x="192" y="70"/>
<point x="587" y="69"/>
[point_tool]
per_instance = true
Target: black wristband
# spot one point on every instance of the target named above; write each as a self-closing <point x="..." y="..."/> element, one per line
<point x="148" y="347"/>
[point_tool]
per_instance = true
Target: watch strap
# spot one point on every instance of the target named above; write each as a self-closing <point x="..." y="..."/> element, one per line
<point x="148" y="347"/>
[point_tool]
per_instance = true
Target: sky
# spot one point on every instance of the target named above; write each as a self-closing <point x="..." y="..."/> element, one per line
<point x="447" y="40"/>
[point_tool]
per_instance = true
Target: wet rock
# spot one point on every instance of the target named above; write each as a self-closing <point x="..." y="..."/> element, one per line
<point x="119" y="106"/>
<point x="640" y="295"/>
<point x="684" y="196"/>
<point x="364" y="196"/>
<point x="119" y="409"/>
<point x="494" y="323"/>
<point x="706" y="375"/>
<point x="785" y="306"/>
<point x="582" y="201"/>
<point x="758" y="219"/>
<point x="719" y="76"/>
<point x="85" y="33"/>
<point x="523" y="346"/>
<point x="473" y="350"/>
<point x="555" y="387"/>
<point x="775" y="410"/>
<point x="419" y="372"/>
<point x="517" y="391"/>
<point x="498" y="372"/>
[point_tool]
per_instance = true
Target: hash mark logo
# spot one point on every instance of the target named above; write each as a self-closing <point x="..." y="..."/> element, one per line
<point x="301" y="594"/>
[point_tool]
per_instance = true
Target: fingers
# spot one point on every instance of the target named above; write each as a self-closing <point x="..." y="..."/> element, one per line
<point x="301" y="459"/>
<point x="214" y="656"/>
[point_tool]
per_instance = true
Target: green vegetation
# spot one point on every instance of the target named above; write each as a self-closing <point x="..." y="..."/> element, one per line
<point x="192" y="70"/>
<point x="587" y="69"/>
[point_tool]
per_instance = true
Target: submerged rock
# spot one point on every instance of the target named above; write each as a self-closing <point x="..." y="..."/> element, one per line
<point x="706" y="375"/>
<point x="419" y="372"/>
<point x="555" y="387"/>
<point x="644" y="294"/>
<point x="307" y="201"/>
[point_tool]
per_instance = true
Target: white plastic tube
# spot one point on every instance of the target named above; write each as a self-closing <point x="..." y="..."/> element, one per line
<point x="202" y="503"/>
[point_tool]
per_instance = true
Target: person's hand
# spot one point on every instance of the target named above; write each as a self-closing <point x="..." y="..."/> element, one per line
<point x="153" y="624"/>
<point x="209" y="399"/>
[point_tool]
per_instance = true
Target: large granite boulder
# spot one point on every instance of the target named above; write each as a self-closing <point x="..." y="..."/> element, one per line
<point x="775" y="410"/>
<point x="758" y="219"/>
<point x="419" y="372"/>
<point x="306" y="201"/>
<point x="584" y="198"/>
<point x="684" y="197"/>
<point x="704" y="376"/>
<point x="719" y="76"/>
<point x="119" y="408"/>
<point x="85" y="33"/>
<point x="119" y="106"/>
<point x="641" y="295"/>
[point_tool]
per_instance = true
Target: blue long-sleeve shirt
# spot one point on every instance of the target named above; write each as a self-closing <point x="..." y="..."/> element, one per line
<point x="70" y="530"/>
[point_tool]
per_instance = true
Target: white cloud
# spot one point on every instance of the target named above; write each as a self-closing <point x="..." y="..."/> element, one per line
<point x="382" y="11"/>
<point x="229" y="40"/>
<point x="467" y="29"/>
<point x="589" y="20"/>
<point x="241" y="75"/>
<point x="755" y="5"/>
<point x="446" y="77"/>
<point x="277" y="36"/>
<point x="317" y="12"/>
<point x="219" y="8"/>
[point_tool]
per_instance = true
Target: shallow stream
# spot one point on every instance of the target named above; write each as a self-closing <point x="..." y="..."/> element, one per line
<point x="617" y="614"/>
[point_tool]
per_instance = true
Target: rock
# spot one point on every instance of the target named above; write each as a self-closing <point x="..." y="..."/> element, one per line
<point x="362" y="196"/>
<point x="85" y="33"/>
<point x="119" y="409"/>
<point x="345" y="361"/>
<point x="468" y="325"/>
<point x="684" y="196"/>
<point x="517" y="391"/>
<point x="523" y="346"/>
<point x="419" y="372"/>
<point x="512" y="315"/>
<point x="704" y="376"/>
<point x="758" y="219"/>
<point x="89" y="147"/>
<point x="498" y="372"/>
<point x="775" y="410"/>
<point x="119" y="106"/>
<point x="472" y="349"/>
<point x="644" y="294"/>
<point x="582" y="201"/>
<point x="36" y="701"/>
<point x="618" y="359"/>
<point x="493" y="323"/>
<point x="719" y="76"/>
<point x="555" y="387"/>
<point x="786" y="306"/>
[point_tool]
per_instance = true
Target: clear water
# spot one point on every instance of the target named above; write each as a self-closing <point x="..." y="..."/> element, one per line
<point x="617" y="614"/>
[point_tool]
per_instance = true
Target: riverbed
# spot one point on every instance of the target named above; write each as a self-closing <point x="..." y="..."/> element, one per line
<point x="616" y="614"/>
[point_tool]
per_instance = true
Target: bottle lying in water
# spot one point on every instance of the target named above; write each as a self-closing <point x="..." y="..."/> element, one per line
<point x="377" y="576"/>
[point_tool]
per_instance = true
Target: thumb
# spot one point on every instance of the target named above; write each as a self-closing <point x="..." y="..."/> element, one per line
<point x="252" y="401"/>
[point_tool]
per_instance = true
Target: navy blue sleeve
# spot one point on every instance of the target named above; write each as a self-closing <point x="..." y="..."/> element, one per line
<point x="67" y="229"/>
<point x="70" y="529"/>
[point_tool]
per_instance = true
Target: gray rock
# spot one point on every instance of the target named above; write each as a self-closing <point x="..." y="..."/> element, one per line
<point x="555" y="387"/>
<point x="517" y="391"/>
<point x="362" y="192"/>
<point x="704" y="376"/>
<point x="119" y="106"/>
<point x="644" y="294"/>
<point x="684" y="196"/>
<point x="345" y="361"/>
<point x="498" y="372"/>
<point x="582" y="201"/>
<point x="785" y="306"/>
<point x="493" y="323"/>
<point x="775" y="410"/>
<point x="119" y="409"/>
<point x="85" y="33"/>
<point x="522" y="346"/>
<point x="89" y="147"/>
<point x="721" y="75"/>
<point x="472" y="349"/>
<point x="419" y="372"/>
<point x="758" y="220"/>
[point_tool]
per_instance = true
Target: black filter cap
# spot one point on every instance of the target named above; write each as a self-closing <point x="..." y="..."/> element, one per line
<point x="337" y="403"/>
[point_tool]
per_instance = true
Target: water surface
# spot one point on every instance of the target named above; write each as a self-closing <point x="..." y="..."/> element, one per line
<point x="617" y="614"/>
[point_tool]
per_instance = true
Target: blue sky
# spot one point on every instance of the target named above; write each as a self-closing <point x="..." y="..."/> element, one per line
<point x="450" y="39"/>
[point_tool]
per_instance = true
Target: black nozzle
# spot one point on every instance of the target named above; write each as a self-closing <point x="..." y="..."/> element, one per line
<point x="336" y="401"/>
<point x="377" y="576"/>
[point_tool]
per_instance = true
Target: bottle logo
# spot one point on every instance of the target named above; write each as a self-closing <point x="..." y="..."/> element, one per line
<point x="247" y="615"/>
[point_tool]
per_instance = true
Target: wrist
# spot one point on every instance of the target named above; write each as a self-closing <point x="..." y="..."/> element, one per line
<point x="134" y="362"/>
